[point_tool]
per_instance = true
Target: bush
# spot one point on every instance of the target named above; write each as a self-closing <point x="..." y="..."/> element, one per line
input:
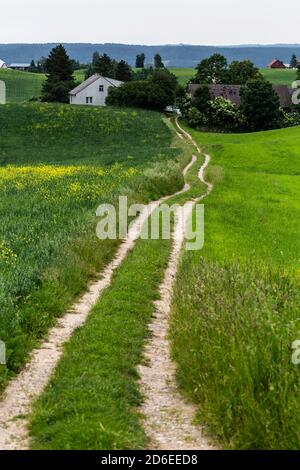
<point x="139" y="94"/>
<point x="225" y="114"/>
<point x="291" y="119"/>
<point x="195" y="118"/>
<point x="261" y="105"/>
<point x="201" y="98"/>
<point x="156" y="92"/>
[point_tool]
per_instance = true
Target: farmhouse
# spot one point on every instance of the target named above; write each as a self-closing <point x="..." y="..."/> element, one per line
<point x="276" y="64"/>
<point x="3" y="64"/>
<point x="232" y="93"/>
<point x="20" y="67"/>
<point x="93" y="91"/>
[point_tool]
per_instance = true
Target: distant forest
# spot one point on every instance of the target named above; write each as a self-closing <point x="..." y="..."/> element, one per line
<point x="172" y="55"/>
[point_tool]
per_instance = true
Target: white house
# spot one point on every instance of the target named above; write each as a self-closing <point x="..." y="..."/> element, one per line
<point x="3" y="64"/>
<point x="21" y="67"/>
<point x="93" y="91"/>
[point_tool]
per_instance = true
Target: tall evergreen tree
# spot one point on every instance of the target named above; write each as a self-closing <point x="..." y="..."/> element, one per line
<point x="260" y="105"/>
<point x="140" y="61"/>
<point x="32" y="67"/>
<point x="158" y="63"/>
<point x="96" y="59"/>
<point x="123" y="72"/>
<point x="60" y="80"/>
<point x="105" y="66"/>
<point x="293" y="62"/>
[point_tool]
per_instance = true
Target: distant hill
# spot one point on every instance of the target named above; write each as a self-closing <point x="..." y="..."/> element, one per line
<point x="173" y="55"/>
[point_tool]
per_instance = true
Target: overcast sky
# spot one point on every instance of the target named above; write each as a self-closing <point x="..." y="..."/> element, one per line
<point x="151" y="21"/>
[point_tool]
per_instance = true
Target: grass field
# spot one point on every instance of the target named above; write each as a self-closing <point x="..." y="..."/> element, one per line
<point x="52" y="178"/>
<point x="277" y="77"/>
<point x="22" y="86"/>
<point x="280" y="77"/>
<point x="97" y="375"/>
<point x="236" y="304"/>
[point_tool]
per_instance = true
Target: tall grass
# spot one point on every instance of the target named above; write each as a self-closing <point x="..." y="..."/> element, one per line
<point x="239" y="322"/>
<point x="236" y="303"/>
<point x="55" y="180"/>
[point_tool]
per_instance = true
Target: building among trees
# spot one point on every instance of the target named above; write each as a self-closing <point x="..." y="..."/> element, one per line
<point x="277" y="64"/>
<point x="93" y="91"/>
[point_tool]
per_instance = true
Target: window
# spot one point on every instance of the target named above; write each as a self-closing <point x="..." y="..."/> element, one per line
<point x="101" y="88"/>
<point x="89" y="100"/>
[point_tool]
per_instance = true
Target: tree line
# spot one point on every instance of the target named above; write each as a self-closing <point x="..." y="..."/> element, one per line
<point x="156" y="87"/>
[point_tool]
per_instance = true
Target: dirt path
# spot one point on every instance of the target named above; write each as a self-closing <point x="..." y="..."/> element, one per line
<point x="29" y="384"/>
<point x="168" y="419"/>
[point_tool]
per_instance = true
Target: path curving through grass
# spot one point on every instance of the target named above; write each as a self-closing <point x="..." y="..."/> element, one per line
<point x="22" y="392"/>
<point x="168" y="418"/>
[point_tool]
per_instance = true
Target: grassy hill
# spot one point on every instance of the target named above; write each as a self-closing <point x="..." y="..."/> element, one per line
<point x="21" y="86"/>
<point x="280" y="77"/>
<point x="277" y="77"/>
<point x="58" y="163"/>
<point x="243" y="315"/>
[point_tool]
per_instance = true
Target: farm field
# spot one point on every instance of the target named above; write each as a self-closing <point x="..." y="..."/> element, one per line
<point x="277" y="77"/>
<point x="102" y="357"/>
<point x="22" y="86"/>
<point x="52" y="180"/>
<point x="241" y="314"/>
<point x="280" y="77"/>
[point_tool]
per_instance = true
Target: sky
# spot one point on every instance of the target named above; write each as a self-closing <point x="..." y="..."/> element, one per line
<point x="213" y="22"/>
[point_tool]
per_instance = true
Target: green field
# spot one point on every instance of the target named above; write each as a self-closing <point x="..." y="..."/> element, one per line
<point x="277" y="77"/>
<point x="52" y="179"/>
<point x="22" y="86"/>
<point x="97" y="375"/>
<point x="280" y="77"/>
<point x="236" y="303"/>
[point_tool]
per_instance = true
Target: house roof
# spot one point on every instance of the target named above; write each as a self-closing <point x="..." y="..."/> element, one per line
<point x="232" y="93"/>
<point x="276" y="61"/>
<point x="19" y="65"/>
<point x="2" y="64"/>
<point x="91" y="80"/>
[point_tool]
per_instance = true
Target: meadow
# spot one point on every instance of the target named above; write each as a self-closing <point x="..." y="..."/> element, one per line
<point x="236" y="303"/>
<point x="22" y="86"/>
<point x="58" y="163"/>
<point x="97" y="375"/>
<point x="280" y="76"/>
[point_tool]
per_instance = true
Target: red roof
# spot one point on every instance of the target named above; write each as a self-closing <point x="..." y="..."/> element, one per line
<point x="277" y="63"/>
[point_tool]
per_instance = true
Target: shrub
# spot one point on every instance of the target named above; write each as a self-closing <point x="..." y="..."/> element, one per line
<point x="156" y="92"/>
<point x="201" y="98"/>
<point x="261" y="105"/>
<point x="195" y="118"/>
<point x="139" y="94"/>
<point x="225" y="114"/>
<point x="291" y="119"/>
